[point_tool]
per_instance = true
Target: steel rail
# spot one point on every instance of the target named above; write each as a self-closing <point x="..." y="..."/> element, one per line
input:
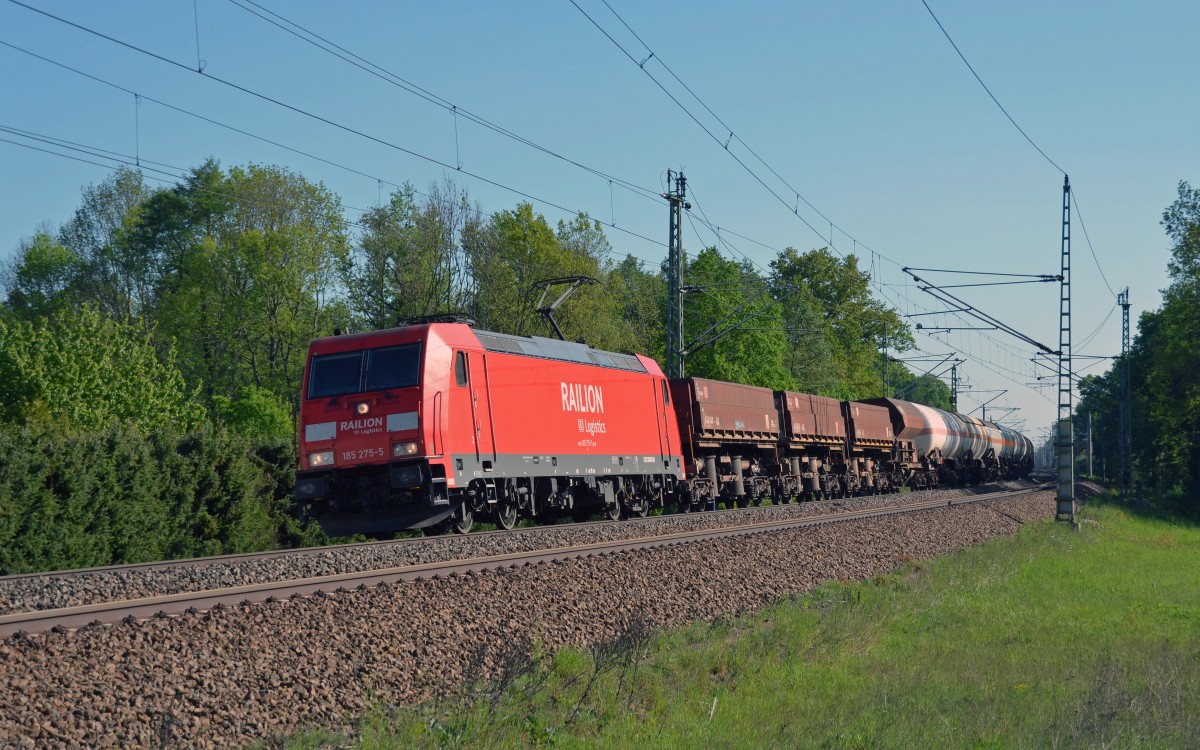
<point x="68" y="618"/>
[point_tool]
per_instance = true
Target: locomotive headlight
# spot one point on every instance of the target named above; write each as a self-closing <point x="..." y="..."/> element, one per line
<point x="320" y="458"/>
<point x="362" y="408"/>
<point x="399" y="450"/>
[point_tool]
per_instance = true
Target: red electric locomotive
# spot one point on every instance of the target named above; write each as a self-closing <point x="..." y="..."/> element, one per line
<point x="437" y="424"/>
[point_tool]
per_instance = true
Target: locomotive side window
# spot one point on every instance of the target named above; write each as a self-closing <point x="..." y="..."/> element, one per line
<point x="666" y="394"/>
<point x="335" y="374"/>
<point x="460" y="368"/>
<point x="393" y="367"/>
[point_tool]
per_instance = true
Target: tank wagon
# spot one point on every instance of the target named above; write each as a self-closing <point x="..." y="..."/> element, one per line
<point x="435" y="425"/>
<point x="945" y="447"/>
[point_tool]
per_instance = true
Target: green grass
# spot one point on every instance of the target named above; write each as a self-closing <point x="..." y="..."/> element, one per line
<point x="1051" y="638"/>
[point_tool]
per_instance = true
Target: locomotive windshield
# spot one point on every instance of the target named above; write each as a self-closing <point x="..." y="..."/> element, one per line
<point x="365" y="370"/>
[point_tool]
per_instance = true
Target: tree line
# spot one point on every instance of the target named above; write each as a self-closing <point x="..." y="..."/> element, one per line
<point x="164" y="322"/>
<point x="1164" y="367"/>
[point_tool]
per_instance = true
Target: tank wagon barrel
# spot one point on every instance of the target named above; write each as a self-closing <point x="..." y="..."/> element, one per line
<point x="954" y="448"/>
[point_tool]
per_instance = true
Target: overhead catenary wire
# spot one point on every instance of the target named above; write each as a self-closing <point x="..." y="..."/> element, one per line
<point x="641" y="65"/>
<point x="696" y="201"/>
<point x="1025" y="135"/>
<point x="721" y="233"/>
<point x="652" y="55"/>
<point x="332" y="123"/>
<point x="1087" y="237"/>
<point x="313" y="38"/>
<point x="988" y="90"/>
<point x="1088" y="339"/>
<point x="413" y="88"/>
<point x="127" y="160"/>
<point x="261" y="138"/>
<point x="964" y="348"/>
<point x="717" y="117"/>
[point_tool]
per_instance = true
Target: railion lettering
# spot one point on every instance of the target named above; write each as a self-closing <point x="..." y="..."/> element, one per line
<point x="582" y="398"/>
<point x="362" y="424"/>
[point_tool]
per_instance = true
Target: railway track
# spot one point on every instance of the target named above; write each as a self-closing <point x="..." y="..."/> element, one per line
<point x="67" y="618"/>
<point x="249" y="557"/>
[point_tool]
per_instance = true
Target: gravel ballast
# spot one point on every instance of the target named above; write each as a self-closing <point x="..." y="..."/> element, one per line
<point x="51" y="591"/>
<point x="252" y="672"/>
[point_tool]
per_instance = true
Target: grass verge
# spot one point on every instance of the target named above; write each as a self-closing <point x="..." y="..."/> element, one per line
<point x="1050" y="638"/>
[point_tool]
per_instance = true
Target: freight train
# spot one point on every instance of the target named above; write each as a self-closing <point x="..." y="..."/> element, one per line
<point x="432" y="426"/>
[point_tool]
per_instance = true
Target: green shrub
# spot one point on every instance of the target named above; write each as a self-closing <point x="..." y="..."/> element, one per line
<point x="258" y="414"/>
<point x="123" y="494"/>
<point x="87" y="369"/>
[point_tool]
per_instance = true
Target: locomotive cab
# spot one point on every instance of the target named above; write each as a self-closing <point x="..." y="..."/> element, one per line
<point x="369" y="439"/>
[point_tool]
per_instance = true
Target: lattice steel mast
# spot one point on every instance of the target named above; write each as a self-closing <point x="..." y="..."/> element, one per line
<point x="954" y="387"/>
<point x="1126" y="431"/>
<point x="677" y="187"/>
<point x="1066" y="434"/>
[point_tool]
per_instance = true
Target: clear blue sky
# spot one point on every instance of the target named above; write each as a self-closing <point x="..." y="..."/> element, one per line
<point x="864" y="108"/>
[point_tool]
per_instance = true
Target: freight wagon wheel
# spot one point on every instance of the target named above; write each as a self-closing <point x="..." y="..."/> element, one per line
<point x="506" y="514"/>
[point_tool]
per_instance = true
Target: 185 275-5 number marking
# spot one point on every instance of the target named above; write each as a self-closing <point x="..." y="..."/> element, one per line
<point x="364" y="453"/>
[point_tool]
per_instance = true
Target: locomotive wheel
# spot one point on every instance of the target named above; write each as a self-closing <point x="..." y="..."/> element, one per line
<point x="613" y="511"/>
<point x="462" y="520"/>
<point x="641" y="509"/>
<point x="506" y="515"/>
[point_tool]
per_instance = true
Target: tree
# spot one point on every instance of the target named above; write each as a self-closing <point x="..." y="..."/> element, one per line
<point x="754" y="352"/>
<point x="513" y="250"/>
<point x="1170" y="353"/>
<point x="257" y="414"/>
<point x="922" y="389"/>
<point x="811" y="356"/>
<point x="83" y="368"/>
<point x="41" y="279"/>
<point x="116" y="274"/>
<point x="254" y="278"/>
<point x="1164" y="363"/>
<point x="1100" y="397"/>
<point x="640" y="298"/>
<point x="853" y="323"/>
<point x="1181" y="220"/>
<point x="409" y="259"/>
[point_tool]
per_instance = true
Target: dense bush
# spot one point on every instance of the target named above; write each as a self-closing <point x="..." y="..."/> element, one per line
<point x="69" y="499"/>
<point x="85" y="368"/>
<point x="258" y="414"/>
